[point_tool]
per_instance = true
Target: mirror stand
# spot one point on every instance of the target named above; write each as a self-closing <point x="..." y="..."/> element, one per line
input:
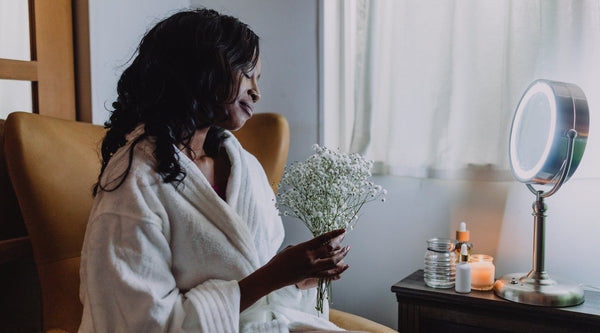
<point x="537" y="288"/>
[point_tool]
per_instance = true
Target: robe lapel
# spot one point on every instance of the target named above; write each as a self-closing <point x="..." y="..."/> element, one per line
<point x="201" y="195"/>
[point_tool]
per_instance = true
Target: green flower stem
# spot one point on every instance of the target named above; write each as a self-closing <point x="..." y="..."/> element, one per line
<point x="324" y="290"/>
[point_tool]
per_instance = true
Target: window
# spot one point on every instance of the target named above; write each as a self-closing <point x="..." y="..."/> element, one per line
<point x="37" y="64"/>
<point x="429" y="88"/>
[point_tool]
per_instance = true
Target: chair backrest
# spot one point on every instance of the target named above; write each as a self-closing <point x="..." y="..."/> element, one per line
<point x="53" y="165"/>
<point x="11" y="224"/>
<point x="267" y="136"/>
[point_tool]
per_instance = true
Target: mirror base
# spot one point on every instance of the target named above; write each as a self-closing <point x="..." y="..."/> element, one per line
<point x="550" y="292"/>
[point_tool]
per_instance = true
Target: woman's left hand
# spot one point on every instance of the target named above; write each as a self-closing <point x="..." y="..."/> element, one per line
<point x="307" y="283"/>
<point x="314" y="282"/>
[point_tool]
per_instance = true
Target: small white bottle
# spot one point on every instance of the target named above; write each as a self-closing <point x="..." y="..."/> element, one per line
<point x="463" y="271"/>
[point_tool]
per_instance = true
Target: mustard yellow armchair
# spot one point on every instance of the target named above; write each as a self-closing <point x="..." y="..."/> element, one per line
<point x="53" y="164"/>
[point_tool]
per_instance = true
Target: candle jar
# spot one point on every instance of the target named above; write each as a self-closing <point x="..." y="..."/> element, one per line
<point x="482" y="272"/>
<point x="440" y="263"/>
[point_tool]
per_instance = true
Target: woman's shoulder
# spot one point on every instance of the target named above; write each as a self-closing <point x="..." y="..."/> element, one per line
<point x="133" y="192"/>
<point x="235" y="148"/>
<point x="241" y="159"/>
<point x="138" y="157"/>
<point x="131" y="175"/>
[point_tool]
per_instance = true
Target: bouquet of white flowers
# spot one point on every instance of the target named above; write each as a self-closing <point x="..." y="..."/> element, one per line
<point x="326" y="192"/>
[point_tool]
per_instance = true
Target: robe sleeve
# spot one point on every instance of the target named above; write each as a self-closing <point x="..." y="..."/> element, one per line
<point x="127" y="284"/>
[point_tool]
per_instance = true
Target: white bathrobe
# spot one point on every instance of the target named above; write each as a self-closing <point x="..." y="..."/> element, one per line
<point x="164" y="258"/>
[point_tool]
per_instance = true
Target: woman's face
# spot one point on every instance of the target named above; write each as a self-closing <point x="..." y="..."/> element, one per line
<point x="242" y="107"/>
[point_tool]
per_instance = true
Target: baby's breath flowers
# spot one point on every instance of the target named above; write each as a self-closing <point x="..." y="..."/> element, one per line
<point x="326" y="192"/>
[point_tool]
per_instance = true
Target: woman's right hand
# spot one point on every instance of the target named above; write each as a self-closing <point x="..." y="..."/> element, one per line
<point x="320" y="257"/>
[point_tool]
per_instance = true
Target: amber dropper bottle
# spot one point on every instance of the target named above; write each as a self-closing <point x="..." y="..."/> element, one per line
<point x="463" y="237"/>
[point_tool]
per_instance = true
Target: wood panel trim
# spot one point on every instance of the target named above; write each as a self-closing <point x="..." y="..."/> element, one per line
<point x="81" y="39"/>
<point x="54" y="53"/>
<point x="18" y="70"/>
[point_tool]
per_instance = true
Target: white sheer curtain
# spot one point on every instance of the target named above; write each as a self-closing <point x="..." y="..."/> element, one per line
<point x="428" y="88"/>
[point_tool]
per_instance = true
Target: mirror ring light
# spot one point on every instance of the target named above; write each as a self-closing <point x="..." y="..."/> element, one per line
<point x="567" y="109"/>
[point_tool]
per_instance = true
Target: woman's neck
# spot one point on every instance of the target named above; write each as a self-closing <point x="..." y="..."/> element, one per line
<point x="195" y="147"/>
<point x="214" y="168"/>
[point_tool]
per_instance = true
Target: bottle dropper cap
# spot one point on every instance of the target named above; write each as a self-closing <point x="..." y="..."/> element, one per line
<point x="462" y="234"/>
<point x="464" y="253"/>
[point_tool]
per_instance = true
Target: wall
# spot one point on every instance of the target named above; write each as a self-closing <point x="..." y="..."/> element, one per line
<point x="288" y="84"/>
<point x="116" y="28"/>
<point x="389" y="241"/>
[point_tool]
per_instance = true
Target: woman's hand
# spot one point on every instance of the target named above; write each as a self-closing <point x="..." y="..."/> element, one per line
<point x="308" y="283"/>
<point x="320" y="257"/>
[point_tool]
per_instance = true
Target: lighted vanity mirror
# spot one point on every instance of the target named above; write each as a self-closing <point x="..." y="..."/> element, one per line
<point x="547" y="140"/>
<point x="539" y="137"/>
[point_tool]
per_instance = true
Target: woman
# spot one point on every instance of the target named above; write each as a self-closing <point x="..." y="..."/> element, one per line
<point x="183" y="233"/>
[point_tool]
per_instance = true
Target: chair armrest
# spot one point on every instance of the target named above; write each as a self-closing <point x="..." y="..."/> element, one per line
<point x="352" y="322"/>
<point x="15" y="248"/>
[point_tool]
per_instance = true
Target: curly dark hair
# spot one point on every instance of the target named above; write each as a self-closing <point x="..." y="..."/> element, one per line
<point x="187" y="67"/>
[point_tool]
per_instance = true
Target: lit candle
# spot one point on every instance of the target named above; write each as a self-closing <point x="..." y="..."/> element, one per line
<point x="482" y="272"/>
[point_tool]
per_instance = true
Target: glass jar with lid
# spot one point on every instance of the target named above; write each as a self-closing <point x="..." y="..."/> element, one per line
<point x="440" y="263"/>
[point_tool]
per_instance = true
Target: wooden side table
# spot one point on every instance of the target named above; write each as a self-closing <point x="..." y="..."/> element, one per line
<point x="425" y="309"/>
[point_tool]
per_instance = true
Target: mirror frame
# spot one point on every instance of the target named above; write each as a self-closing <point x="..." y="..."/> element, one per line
<point x="568" y="110"/>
